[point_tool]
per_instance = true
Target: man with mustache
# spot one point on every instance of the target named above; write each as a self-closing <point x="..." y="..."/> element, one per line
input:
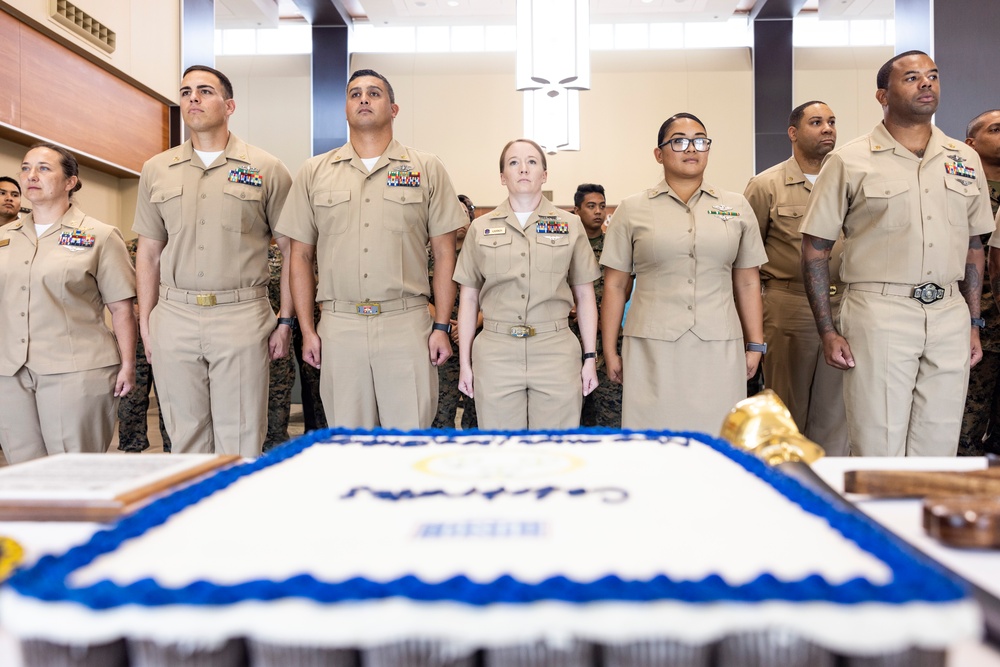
<point x="911" y="204"/>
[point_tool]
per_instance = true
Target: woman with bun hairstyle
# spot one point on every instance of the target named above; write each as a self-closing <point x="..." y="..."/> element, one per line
<point x="694" y="332"/>
<point x="61" y="369"/>
<point x="526" y="264"/>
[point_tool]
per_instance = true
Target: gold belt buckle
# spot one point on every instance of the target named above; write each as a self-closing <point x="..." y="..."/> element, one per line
<point x="206" y="300"/>
<point x="369" y="308"/>
<point x="522" y="331"/>
<point x="833" y="290"/>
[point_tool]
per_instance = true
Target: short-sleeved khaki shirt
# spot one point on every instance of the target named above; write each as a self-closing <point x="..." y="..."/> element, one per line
<point x="217" y="220"/>
<point x="905" y="220"/>
<point x="683" y="256"/>
<point x="778" y="197"/>
<point x="53" y="290"/>
<point x="371" y="229"/>
<point x="525" y="274"/>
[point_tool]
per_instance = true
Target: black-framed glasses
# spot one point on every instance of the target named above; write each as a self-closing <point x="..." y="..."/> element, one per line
<point x="680" y="144"/>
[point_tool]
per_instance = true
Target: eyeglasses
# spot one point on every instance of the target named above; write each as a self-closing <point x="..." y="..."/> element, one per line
<point x="680" y="144"/>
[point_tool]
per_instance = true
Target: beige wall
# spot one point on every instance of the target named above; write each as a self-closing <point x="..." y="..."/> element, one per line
<point x="147" y="43"/>
<point x="273" y="104"/>
<point x="464" y="108"/>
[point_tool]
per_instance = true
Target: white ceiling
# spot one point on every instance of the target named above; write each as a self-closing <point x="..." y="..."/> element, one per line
<point x="265" y="13"/>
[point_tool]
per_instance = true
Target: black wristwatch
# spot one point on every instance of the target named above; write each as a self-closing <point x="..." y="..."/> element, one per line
<point x="589" y="355"/>
<point x="291" y="322"/>
<point x="442" y="327"/>
<point x="979" y="322"/>
<point x="757" y="347"/>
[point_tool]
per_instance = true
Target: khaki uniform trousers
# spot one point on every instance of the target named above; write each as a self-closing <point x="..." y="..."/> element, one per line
<point x="212" y="366"/>
<point x="906" y="394"/>
<point x="794" y="367"/>
<point x="53" y="414"/>
<point x="684" y="385"/>
<point x="376" y="370"/>
<point x="523" y="383"/>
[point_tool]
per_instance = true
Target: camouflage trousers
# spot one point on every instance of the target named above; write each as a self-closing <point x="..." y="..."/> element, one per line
<point x="279" y="395"/>
<point x="132" y="409"/>
<point x="450" y="398"/>
<point x="603" y="407"/>
<point x="981" y="422"/>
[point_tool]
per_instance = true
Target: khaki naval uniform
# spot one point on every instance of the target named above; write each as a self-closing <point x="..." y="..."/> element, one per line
<point x="684" y="364"/>
<point x="58" y="359"/>
<point x="370" y="231"/>
<point x="525" y="277"/>
<point x="211" y="325"/>
<point x="906" y="221"/>
<point x="794" y="365"/>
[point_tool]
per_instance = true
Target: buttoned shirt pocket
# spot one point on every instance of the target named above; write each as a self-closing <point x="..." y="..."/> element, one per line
<point x="888" y="203"/>
<point x="332" y="210"/>
<point x="960" y="199"/>
<point x="792" y="215"/>
<point x="402" y="211"/>
<point x="552" y="253"/>
<point x="495" y="250"/>
<point x="168" y="202"/>
<point x="241" y="207"/>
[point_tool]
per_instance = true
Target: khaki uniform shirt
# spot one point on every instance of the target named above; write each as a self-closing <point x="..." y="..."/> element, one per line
<point x="371" y="229"/>
<point x="524" y="275"/>
<point x="904" y="220"/>
<point x="683" y="258"/>
<point x="779" y="196"/>
<point x="217" y="220"/>
<point x="53" y="290"/>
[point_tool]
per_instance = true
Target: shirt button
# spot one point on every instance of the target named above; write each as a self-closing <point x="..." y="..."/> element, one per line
<point x="690" y="254"/>
<point x="690" y="281"/>
<point x="366" y="275"/>
<point x="519" y="317"/>
<point x="367" y="200"/>
<point x="23" y="340"/>
<point x="22" y="314"/>
<point x="888" y="191"/>
<point x="927" y="189"/>
<point x="523" y="296"/>
<point x="201" y="274"/>
<point x="930" y="217"/>
<point x="23" y="288"/>
<point x="201" y="247"/>
<point x="366" y="250"/>
<point x="201" y="222"/>
<point x="522" y="255"/>
<point x="690" y="307"/>
<point x="494" y="243"/>
<point x="928" y="273"/>
<point x="366" y="224"/>
<point x="203" y="196"/>
<point x="930" y="245"/>
<point x="243" y="195"/>
<point x="25" y="261"/>
<point x="522" y="275"/>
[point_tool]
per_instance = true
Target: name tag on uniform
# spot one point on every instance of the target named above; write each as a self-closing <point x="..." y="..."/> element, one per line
<point x="403" y="178"/>
<point x="5" y="242"/>
<point x="551" y="225"/>
<point x="491" y="231"/>
<point x="78" y="239"/>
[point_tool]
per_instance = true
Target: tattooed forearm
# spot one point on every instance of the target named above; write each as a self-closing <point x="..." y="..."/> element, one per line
<point x="816" y="272"/>
<point x="972" y="288"/>
<point x="816" y="275"/>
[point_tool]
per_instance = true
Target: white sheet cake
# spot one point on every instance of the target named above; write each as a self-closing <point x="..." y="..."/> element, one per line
<point x="489" y="541"/>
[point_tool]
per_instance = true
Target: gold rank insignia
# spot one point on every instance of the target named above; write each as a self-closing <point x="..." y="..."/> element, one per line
<point x="5" y="242"/>
<point x="10" y="556"/>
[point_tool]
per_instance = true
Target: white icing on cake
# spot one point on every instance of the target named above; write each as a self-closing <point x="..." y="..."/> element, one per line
<point x="635" y="510"/>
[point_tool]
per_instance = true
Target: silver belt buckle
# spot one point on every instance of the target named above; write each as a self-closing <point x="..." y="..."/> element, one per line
<point x="206" y="300"/>
<point x="522" y="331"/>
<point x="369" y="308"/>
<point x="928" y="293"/>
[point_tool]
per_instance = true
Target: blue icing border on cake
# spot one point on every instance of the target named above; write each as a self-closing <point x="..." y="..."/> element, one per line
<point x="915" y="577"/>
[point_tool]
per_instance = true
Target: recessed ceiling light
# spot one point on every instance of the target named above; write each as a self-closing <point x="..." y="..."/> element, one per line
<point x="453" y="3"/>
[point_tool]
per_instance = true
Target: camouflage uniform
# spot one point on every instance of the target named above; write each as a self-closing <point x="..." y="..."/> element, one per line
<point x="604" y="405"/>
<point x="279" y="391"/>
<point x="132" y="408"/>
<point x="449" y="397"/>
<point x="279" y="394"/>
<point x="981" y="422"/>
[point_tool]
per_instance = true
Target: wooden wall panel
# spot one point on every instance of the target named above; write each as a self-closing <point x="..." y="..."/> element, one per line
<point x="10" y="70"/>
<point x="51" y="92"/>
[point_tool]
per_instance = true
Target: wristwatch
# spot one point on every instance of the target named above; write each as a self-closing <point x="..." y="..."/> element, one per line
<point x="979" y="322"/>
<point x="442" y="327"/>
<point x="291" y="322"/>
<point x="589" y="355"/>
<point x="757" y="347"/>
